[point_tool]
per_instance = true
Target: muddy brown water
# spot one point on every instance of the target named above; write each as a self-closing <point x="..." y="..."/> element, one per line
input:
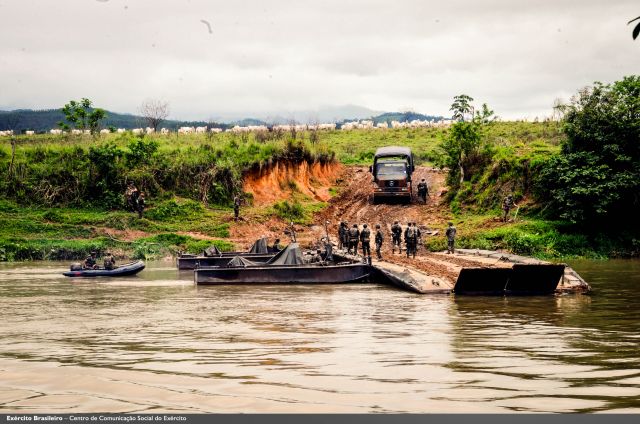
<point x="156" y="342"/>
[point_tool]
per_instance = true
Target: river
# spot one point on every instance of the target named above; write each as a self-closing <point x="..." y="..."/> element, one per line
<point x="158" y="343"/>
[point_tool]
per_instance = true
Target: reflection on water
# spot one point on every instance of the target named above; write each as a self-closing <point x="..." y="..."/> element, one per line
<point x="156" y="342"/>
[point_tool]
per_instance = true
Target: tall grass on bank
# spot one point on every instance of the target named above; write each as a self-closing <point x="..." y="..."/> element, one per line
<point x="82" y="171"/>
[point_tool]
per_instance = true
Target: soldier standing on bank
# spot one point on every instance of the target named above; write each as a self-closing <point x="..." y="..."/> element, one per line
<point x="131" y="196"/>
<point x="140" y="205"/>
<point x="236" y="207"/>
<point x="379" y="239"/>
<point x="345" y="235"/>
<point x="409" y="237"/>
<point x="507" y="205"/>
<point x="423" y="190"/>
<point x="354" y="235"/>
<point x="396" y="234"/>
<point x="451" y="238"/>
<point x="416" y="229"/>
<point x="341" y="231"/>
<point x="365" y="241"/>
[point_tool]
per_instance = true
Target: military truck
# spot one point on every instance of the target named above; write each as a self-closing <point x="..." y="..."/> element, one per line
<point x="392" y="168"/>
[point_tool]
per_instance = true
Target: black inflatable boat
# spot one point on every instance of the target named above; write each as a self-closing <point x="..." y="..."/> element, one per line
<point x="120" y="271"/>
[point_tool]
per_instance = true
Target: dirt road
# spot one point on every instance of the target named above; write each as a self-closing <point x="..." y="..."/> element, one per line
<point x="354" y="205"/>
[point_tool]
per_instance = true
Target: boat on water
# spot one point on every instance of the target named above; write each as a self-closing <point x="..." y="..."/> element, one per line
<point x="289" y="266"/>
<point x="259" y="252"/>
<point x="131" y="268"/>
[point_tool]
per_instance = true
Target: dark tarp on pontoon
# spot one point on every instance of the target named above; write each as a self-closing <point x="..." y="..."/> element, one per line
<point x="239" y="261"/>
<point x="290" y="255"/>
<point x="211" y="251"/>
<point x="260" y="246"/>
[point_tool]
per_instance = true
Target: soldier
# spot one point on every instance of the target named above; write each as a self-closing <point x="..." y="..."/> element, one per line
<point x="341" y="230"/>
<point x="236" y="207"/>
<point x="109" y="261"/>
<point x="451" y="238"/>
<point x="354" y="235"/>
<point x="379" y="239"/>
<point x="423" y="190"/>
<point x="140" y="205"/>
<point x="407" y="242"/>
<point x="410" y="239"/>
<point x="345" y="235"/>
<point x="365" y="239"/>
<point x="507" y="205"/>
<point x="131" y="196"/>
<point x="276" y="246"/>
<point x="396" y="234"/>
<point x="328" y="249"/>
<point x="317" y="257"/>
<point x="90" y="262"/>
<point x="418" y="236"/>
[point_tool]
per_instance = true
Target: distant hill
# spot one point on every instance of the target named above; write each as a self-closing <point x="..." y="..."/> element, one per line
<point x="405" y="116"/>
<point x="21" y="120"/>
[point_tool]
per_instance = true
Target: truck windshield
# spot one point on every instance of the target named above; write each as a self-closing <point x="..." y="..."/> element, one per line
<point x="391" y="169"/>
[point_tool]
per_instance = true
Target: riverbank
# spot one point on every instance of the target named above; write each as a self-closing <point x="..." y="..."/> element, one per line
<point x="62" y="196"/>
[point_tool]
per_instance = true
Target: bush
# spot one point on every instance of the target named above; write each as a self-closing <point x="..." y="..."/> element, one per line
<point x="171" y="210"/>
<point x="289" y="211"/>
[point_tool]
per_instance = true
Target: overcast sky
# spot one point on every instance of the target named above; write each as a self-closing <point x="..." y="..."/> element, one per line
<point x="224" y="59"/>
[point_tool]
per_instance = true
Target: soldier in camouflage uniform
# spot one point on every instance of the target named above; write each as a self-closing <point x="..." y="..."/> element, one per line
<point x="365" y="241"/>
<point x="140" y="205"/>
<point x="379" y="239"/>
<point x="341" y="230"/>
<point x="451" y="238"/>
<point x="354" y="235"/>
<point x="396" y="234"/>
<point x="236" y="207"/>
<point x="507" y="205"/>
<point x="423" y="190"/>
<point x="90" y="262"/>
<point x="109" y="261"/>
<point x="410" y="239"/>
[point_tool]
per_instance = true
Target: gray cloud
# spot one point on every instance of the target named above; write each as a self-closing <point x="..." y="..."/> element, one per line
<point x="258" y="58"/>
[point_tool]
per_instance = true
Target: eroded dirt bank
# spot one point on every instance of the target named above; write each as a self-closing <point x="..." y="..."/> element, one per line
<point x="276" y="182"/>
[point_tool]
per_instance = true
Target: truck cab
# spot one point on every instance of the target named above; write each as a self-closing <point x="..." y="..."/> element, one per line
<point x="392" y="169"/>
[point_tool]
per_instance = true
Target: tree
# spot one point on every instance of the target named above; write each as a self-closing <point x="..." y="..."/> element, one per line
<point x="595" y="180"/>
<point x="463" y="148"/>
<point x="154" y="112"/>
<point x="82" y="116"/>
<point x="461" y="107"/>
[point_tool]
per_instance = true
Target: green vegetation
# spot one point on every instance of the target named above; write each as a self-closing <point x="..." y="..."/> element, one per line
<point x="595" y="180"/>
<point x="80" y="172"/>
<point x="533" y="236"/>
<point x="577" y="185"/>
<point x="61" y="196"/>
<point x="71" y="233"/>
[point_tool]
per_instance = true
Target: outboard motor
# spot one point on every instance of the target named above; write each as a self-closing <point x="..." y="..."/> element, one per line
<point x="76" y="267"/>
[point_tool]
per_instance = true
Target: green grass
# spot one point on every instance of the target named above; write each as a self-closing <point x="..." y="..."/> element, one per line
<point x="535" y="237"/>
<point x="66" y="233"/>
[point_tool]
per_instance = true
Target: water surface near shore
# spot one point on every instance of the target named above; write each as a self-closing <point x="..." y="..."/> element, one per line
<point x="156" y="342"/>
